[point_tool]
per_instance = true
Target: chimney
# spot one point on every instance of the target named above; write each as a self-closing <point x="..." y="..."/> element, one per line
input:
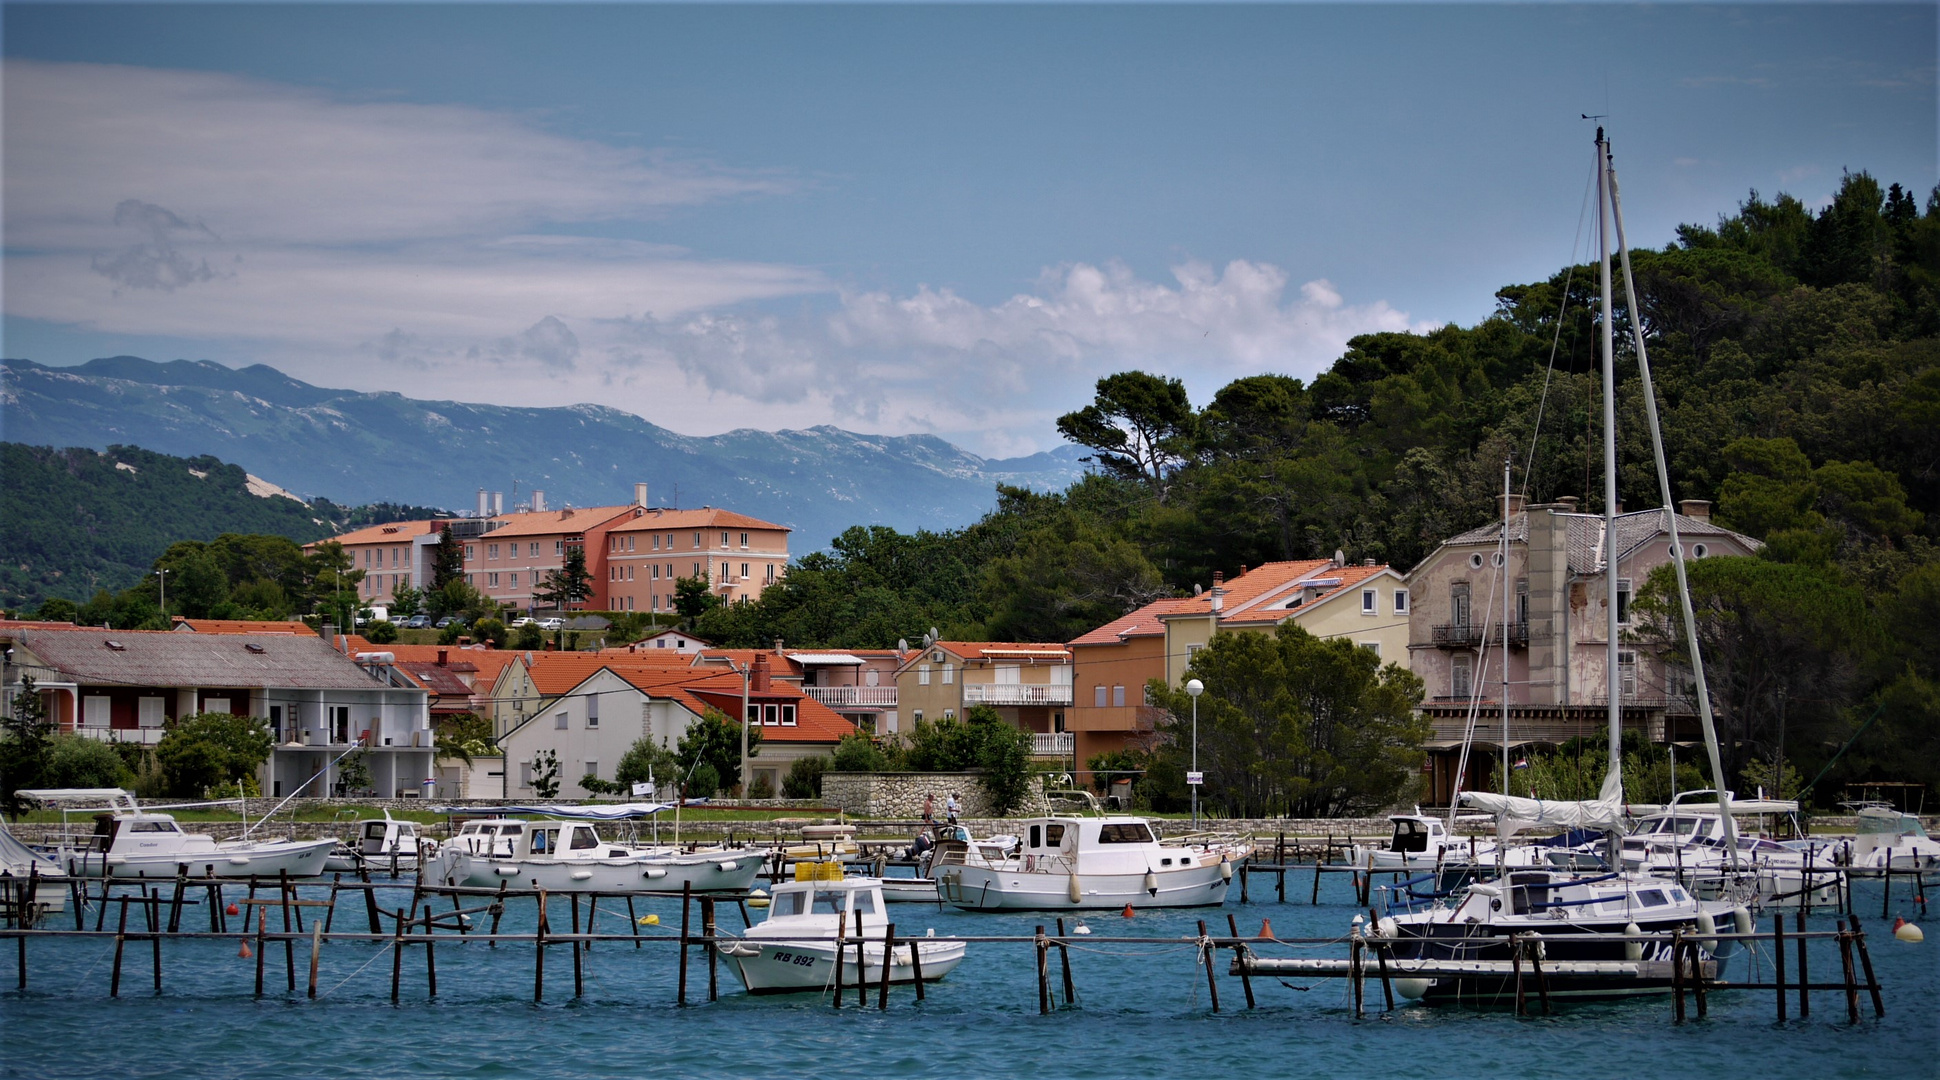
<point x="777" y="646"/>
<point x="639" y="494"/>
<point x="484" y="504"/>
<point x="1218" y="592"/>
<point x="1309" y="593"/>
<point x="1695" y="509"/>
<point x="498" y="502"/>
<point x="758" y="677"/>
<point x="538" y="501"/>
<point x="1367" y="562"/>
<point x="1568" y="503"/>
<point x="1514" y="507"/>
<point x="444" y="657"/>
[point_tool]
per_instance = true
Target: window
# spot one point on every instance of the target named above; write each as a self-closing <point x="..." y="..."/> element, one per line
<point x="491" y="580"/>
<point x="1124" y="833"/>
<point x="220" y="705"/>
<point x="150" y="713"/>
<point x="916" y="716"/>
<point x="949" y="674"/>
<point x="1475" y="561"/>
<point x="491" y="551"/>
<point x="724" y="572"/>
<point x="1458" y="604"/>
<point x="515" y="579"/>
<point x="656" y="571"/>
<point x="469" y="580"/>
<point x="771" y="573"/>
<point x="744" y="540"/>
<point x="1098" y="696"/>
<point x="1400" y="601"/>
<point x="276" y="722"/>
<point x="532" y="549"/>
<point x="922" y="674"/>
<point x="697" y="569"/>
<point x="1370" y="602"/>
<point x="1623" y="601"/>
<point x="471" y="552"/>
<point x="559" y="721"/>
<point x="1627" y="673"/>
<point x="525" y="774"/>
<point x="744" y="571"/>
<point x="1118" y="697"/>
<point x="593" y="770"/>
<point x="593" y="711"/>
<point x="724" y="539"/>
<point x="1371" y="646"/>
<point x="558" y="547"/>
<point x="1461" y="678"/>
<point x="94" y="711"/>
<point x="697" y="539"/>
<point x="949" y="714"/>
<point x="1522" y="602"/>
<point x="656" y="542"/>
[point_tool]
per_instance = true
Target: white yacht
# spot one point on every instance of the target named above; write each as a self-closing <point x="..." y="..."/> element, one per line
<point x="794" y="948"/>
<point x="1424" y="843"/>
<point x="385" y="844"/>
<point x="1887" y="838"/>
<point x="1081" y="863"/>
<point x="129" y="842"/>
<point x="570" y="856"/>
<point x="1687" y="841"/>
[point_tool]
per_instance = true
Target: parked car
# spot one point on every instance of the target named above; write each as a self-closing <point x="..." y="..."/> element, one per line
<point x="523" y="620"/>
<point x="417" y="622"/>
<point x="552" y="624"/>
<point x="449" y="620"/>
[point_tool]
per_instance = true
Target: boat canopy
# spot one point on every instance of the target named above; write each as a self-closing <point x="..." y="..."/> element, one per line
<point x="572" y="811"/>
<point x="1513" y="814"/>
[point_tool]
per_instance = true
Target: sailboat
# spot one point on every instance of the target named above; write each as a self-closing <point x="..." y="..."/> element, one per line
<point x="1598" y="934"/>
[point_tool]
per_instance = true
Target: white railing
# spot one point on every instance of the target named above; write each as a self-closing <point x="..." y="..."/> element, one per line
<point x="850" y="697"/>
<point x="1016" y="694"/>
<point x="1054" y="744"/>
<point x="146" y="736"/>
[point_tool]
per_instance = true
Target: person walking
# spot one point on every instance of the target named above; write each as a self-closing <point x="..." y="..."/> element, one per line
<point x="951" y="808"/>
<point x="929" y="809"/>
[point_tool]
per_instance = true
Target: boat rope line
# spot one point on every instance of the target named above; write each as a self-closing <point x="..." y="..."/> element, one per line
<point x="91" y="967"/>
<point x="375" y="957"/>
<point x="1555" y="343"/>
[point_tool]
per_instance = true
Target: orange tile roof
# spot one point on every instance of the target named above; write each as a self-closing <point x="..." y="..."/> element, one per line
<point x="779" y="666"/>
<point x="983" y="650"/>
<point x="698" y="691"/>
<point x="487" y="662"/>
<point x="558" y="672"/>
<point x="1144" y="622"/>
<point x="554" y="522"/>
<point x="707" y="517"/>
<point x="1276" y="610"/>
<point x="241" y="626"/>
<point x="395" y="532"/>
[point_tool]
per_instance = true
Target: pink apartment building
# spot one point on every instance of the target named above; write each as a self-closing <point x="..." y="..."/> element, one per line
<point x="644" y="555"/>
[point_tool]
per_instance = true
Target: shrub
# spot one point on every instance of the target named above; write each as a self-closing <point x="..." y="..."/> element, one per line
<point x="380" y="632"/>
<point x="804" y="779"/>
<point x="76" y="761"/>
<point x="702" y="783"/>
<point x="207" y="750"/>
<point x="858" y="753"/>
<point x="762" y="788"/>
<point x="490" y="631"/>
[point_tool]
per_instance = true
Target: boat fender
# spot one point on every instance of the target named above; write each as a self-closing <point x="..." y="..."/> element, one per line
<point x="655" y="873"/>
<point x="1632" y="949"/>
<point x="1387" y="927"/>
<point x="1707" y="928"/>
<point x="1907" y="932"/>
<point x="1072" y="890"/>
<point x="1741" y="920"/>
<point x="724" y="867"/>
<point x="1413" y="989"/>
<point x="582" y="875"/>
<point x="1225" y="869"/>
<point x="1151" y="883"/>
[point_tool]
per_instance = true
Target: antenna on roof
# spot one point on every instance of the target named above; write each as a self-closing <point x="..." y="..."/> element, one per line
<point x="1340" y="557"/>
<point x="902" y="645"/>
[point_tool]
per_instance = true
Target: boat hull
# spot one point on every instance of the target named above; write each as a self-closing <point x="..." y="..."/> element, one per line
<point x="978" y="888"/>
<point x="732" y="871"/>
<point x="299" y="859"/>
<point x="784" y="967"/>
<point x="1580" y="962"/>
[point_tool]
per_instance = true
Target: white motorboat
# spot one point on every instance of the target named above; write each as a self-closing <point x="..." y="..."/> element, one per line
<point x="129" y="842"/>
<point x="1424" y="843"/>
<point x="1078" y="863"/>
<point x="812" y="920"/>
<point x="1887" y="838"/>
<point x="1687" y="841"/>
<point x="384" y="844"/>
<point x="570" y="856"/>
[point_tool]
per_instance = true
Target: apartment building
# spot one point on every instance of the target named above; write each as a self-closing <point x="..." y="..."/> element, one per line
<point x="738" y="555"/>
<point x="391" y="556"/>
<point x="510" y="560"/>
<point x="1029" y="684"/>
<point x="1555" y="584"/>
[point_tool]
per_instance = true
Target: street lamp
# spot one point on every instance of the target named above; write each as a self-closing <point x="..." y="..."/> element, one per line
<point x="161" y="581"/>
<point x="1193" y="689"/>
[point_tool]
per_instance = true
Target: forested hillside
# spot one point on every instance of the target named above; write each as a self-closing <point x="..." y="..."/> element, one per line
<point x="1797" y="361"/>
<point x="74" y="522"/>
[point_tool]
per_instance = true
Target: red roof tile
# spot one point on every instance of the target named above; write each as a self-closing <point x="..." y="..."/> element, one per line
<point x="555" y="522"/>
<point x="707" y="517"/>
<point x="395" y="532"/>
<point x="1141" y="623"/>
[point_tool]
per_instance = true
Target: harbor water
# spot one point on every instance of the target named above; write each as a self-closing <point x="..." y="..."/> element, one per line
<point x="1142" y="1011"/>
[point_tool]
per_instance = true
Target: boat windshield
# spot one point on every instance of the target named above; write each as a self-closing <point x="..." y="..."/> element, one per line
<point x="1124" y="832"/>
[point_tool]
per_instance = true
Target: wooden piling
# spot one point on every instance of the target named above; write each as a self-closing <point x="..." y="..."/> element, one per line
<point x="888" y="962"/>
<point x="1515" y="965"/>
<point x="1064" y="958"/>
<point x="539" y="952"/>
<point x="861" y="970"/>
<point x="1380" y="959"/>
<point x="1778" y="960"/>
<point x="175" y="901"/>
<point x="841" y="948"/>
<point x="1043" y="975"/>
<point x="20" y="949"/>
<point x="1677" y="975"/>
<point x="370" y="901"/>
<point x="916" y="964"/>
<point x="1206" y="954"/>
<point x="633" y="920"/>
<point x="498" y="911"/>
<point x="330" y="913"/>
<point x="316" y="954"/>
<point x="430" y="952"/>
<point x="1355" y="962"/>
<point x="155" y="935"/>
<point x="397" y="954"/>
<point x="262" y="932"/>
<point x="121" y="935"/>
<point x="713" y="954"/>
<point x="1805" y="973"/>
<point x="1852" y="978"/>
<point x="1542" y="980"/>
<point x="1316" y="897"/>
<point x="1866" y="962"/>
<point x="1697" y="980"/>
<point x="680" y="993"/>
<point x="579" y="971"/>
<point x="1240" y="954"/>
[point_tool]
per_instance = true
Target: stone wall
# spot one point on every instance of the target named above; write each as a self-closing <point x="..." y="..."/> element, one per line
<point x="898" y="796"/>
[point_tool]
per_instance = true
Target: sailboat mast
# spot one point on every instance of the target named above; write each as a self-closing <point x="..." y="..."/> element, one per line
<point x="1504" y="579"/>
<point x="1700" y="688"/>
<point x="1613" y="685"/>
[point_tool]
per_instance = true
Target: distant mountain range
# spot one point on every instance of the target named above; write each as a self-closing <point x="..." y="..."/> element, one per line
<point x="360" y="448"/>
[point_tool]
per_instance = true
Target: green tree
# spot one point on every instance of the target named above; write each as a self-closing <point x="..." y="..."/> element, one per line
<point x="857" y="752"/>
<point x="462" y="736"/>
<point x="447" y="560"/>
<point x="380" y="631"/>
<point x="529" y="637"/>
<point x="983" y="741"/>
<point x="1291" y="723"/>
<point x="1139" y="426"/>
<point x="25" y="733"/>
<point x="406" y="601"/>
<point x="333" y="581"/>
<point x="646" y="761"/>
<point x="201" y="752"/>
<point x="804" y="778"/>
<point x="77" y="761"/>
<point x="715" y="741"/>
<point x="545" y="774"/>
<point x="490" y="631"/>
<point x="569" y="585"/>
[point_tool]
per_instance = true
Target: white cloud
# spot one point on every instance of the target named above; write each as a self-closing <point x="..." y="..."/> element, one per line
<point x="443" y="251"/>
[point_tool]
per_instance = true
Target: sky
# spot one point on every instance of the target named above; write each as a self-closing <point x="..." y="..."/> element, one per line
<point x="889" y="218"/>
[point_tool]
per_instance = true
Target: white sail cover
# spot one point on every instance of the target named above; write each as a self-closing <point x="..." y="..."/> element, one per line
<point x="20" y="860"/>
<point x="575" y="811"/>
<point x="1513" y="813"/>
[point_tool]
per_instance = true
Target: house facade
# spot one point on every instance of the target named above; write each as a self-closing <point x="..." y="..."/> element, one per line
<point x="127" y="686"/>
<point x="738" y="555"/>
<point x="860" y="684"/>
<point x="1549" y="602"/>
<point x="391" y="556"/>
<point x="510" y="560"/>
<point x="1028" y="684"/>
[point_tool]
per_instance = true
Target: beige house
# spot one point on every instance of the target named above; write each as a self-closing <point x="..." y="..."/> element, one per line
<point x="1367" y="604"/>
<point x="1554" y="589"/>
<point x="1029" y="684"/>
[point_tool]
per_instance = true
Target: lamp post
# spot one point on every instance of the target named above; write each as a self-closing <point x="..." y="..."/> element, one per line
<point x="1193" y="689"/>
<point x="161" y="582"/>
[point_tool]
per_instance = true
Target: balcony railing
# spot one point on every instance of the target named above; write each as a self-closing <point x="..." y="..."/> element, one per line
<point x="853" y="697"/>
<point x="1053" y="744"/>
<point x="1471" y="635"/>
<point x="1016" y="694"/>
<point x="145" y="736"/>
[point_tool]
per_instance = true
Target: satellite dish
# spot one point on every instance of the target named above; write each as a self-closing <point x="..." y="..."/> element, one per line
<point x="902" y="645"/>
<point x="1340" y="557"/>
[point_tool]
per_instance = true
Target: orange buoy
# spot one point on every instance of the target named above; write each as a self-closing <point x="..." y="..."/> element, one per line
<point x="1266" y="928"/>
<point x="244" y="951"/>
<point x="233" y="909"/>
<point x="1128" y="911"/>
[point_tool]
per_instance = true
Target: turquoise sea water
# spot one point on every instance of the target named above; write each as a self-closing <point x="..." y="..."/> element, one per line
<point x="1142" y="1011"/>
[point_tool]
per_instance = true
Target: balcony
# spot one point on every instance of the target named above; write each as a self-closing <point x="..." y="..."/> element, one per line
<point x="146" y="736"/>
<point x="1016" y="694"/>
<point x="1058" y="744"/>
<point x="1470" y="636"/>
<point x="853" y="697"/>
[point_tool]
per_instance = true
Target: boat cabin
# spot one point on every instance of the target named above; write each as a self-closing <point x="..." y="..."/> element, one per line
<point x="380" y="837"/>
<point x="1416" y="835"/>
<point x="823" y="901"/>
<point x="124" y="833"/>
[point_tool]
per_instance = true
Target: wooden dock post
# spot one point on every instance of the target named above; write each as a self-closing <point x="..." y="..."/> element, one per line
<point x="498" y="911"/>
<point x="175" y="902"/>
<point x="861" y="971"/>
<point x="916" y="964"/>
<point x="1866" y="962"/>
<point x="1064" y="958"/>
<point x="1805" y="973"/>
<point x="330" y="913"/>
<point x="1043" y="975"/>
<point x="1778" y="960"/>
<point x="1315" y="902"/>
<point x="1380" y="958"/>
<point x="1242" y="878"/>
<point x="579" y="971"/>
<point x="397" y="954"/>
<point x="262" y="931"/>
<point x="370" y="901"/>
<point x="155" y="933"/>
<point x="1852" y="978"/>
<point x="1677" y="975"/>
<point x="1355" y="962"/>
<point x="430" y="952"/>
<point x="1535" y="968"/>
<point x="1697" y="979"/>
<point x="888" y="962"/>
<point x="539" y="950"/>
<point x="680" y="992"/>
<point x="20" y="949"/>
<point x="841" y="948"/>
<point x="633" y="920"/>
<point x="713" y="954"/>
<point x="121" y="934"/>
<point x="1240" y="954"/>
<point x="1206" y="954"/>
<point x="1515" y="965"/>
<point x="316" y="954"/>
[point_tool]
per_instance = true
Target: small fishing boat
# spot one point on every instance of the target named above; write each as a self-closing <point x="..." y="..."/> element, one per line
<point x="384" y="844"/>
<point x="571" y="856"/>
<point x="1885" y="838"/>
<point x="1423" y="843"/>
<point x="1076" y="863"/>
<point x="1687" y="841"/>
<point x="131" y="842"/>
<point x="819" y="923"/>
